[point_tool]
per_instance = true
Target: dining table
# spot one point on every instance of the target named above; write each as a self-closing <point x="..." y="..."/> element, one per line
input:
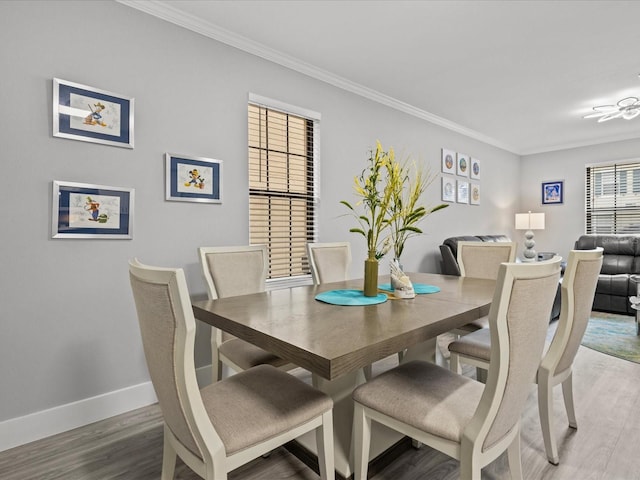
<point x="336" y="342"/>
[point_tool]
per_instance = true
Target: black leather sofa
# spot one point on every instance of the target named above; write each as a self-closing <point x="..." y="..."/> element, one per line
<point x="621" y="261"/>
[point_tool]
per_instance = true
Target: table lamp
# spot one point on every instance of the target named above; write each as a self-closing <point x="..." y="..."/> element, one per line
<point x="529" y="222"/>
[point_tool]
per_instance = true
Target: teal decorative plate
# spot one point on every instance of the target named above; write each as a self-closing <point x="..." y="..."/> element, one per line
<point x="350" y="297"/>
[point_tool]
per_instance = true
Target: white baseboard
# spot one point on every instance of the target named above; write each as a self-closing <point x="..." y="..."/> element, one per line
<point x="35" y="426"/>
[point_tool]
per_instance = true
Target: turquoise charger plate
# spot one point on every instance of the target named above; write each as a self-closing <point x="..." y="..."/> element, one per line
<point x="350" y="297"/>
<point x="419" y="288"/>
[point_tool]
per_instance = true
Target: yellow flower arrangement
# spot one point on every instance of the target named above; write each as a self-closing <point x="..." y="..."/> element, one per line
<point x="375" y="196"/>
<point x="409" y="181"/>
<point x="390" y="192"/>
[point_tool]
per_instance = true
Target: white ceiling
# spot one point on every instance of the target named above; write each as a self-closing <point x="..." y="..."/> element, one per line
<point x="516" y="74"/>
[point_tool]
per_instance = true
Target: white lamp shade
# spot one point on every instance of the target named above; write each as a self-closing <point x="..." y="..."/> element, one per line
<point x="529" y="221"/>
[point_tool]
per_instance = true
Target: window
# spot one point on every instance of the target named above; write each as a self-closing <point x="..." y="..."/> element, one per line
<point x="282" y="185"/>
<point x="613" y="198"/>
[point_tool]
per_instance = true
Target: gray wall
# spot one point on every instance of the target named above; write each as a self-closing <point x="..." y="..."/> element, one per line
<point x="565" y="222"/>
<point x="68" y="330"/>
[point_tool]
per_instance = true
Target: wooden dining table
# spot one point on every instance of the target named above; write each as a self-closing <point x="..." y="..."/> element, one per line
<point x="336" y="342"/>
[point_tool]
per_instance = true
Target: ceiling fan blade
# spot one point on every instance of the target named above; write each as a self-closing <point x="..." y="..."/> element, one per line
<point x="611" y="116"/>
<point x="629" y="114"/>
<point x="627" y="102"/>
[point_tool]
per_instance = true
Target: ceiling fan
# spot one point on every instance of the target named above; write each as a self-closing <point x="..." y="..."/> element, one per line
<point x="626" y="108"/>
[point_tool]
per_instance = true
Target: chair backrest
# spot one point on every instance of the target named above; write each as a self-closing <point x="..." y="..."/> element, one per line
<point x="330" y="262"/>
<point x="518" y="323"/>
<point x="237" y="270"/>
<point x="483" y="259"/>
<point x="167" y="327"/>
<point x="578" y="289"/>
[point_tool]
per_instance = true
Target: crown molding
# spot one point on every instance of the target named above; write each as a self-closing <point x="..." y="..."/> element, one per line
<point x="166" y="12"/>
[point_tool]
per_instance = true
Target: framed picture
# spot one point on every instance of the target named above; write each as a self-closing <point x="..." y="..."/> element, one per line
<point x="193" y="179"/>
<point x="448" y="189"/>
<point x="553" y="192"/>
<point x="463" y="192"/>
<point x="448" y="161"/>
<point x="92" y="115"/>
<point x="474" y="196"/>
<point x="474" y="172"/>
<point x="462" y="165"/>
<point x="83" y="210"/>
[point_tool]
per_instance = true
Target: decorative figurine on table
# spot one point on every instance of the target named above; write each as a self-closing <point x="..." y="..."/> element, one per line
<point x="402" y="286"/>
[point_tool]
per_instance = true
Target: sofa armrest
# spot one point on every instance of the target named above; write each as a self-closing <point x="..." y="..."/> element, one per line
<point x="449" y="262"/>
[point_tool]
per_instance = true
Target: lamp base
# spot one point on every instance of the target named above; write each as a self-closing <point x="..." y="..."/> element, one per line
<point x="529" y="254"/>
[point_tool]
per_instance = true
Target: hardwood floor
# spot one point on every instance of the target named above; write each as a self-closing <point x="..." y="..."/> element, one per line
<point x="605" y="447"/>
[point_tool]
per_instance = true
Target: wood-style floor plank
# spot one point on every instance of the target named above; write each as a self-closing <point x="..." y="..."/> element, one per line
<point x="605" y="446"/>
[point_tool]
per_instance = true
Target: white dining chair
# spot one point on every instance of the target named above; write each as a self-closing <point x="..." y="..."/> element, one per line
<point x="229" y="271"/>
<point x="226" y="424"/>
<point x="454" y="414"/>
<point x="329" y="262"/>
<point x="578" y="289"/>
<point x="482" y="260"/>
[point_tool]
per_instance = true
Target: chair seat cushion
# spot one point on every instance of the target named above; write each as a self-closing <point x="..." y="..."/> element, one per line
<point x="260" y="403"/>
<point x="474" y="325"/>
<point x="247" y="355"/>
<point x="476" y="345"/>
<point x="424" y="396"/>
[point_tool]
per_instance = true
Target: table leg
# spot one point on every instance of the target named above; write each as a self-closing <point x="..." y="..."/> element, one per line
<point x="340" y="391"/>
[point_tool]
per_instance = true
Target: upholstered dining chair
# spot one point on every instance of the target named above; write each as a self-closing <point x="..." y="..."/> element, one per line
<point x="329" y="262"/>
<point x="228" y="423"/>
<point x="454" y="414"/>
<point x="482" y="260"/>
<point x="229" y="271"/>
<point x="577" y="291"/>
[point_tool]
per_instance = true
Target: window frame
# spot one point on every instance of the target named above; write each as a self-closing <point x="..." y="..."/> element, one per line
<point x="612" y="208"/>
<point x="314" y="117"/>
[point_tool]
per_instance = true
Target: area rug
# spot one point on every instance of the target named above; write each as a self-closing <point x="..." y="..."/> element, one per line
<point x="614" y="335"/>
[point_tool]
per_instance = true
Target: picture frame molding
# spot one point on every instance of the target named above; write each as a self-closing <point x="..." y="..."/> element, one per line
<point x="551" y="198"/>
<point x="463" y="164"/>
<point x="462" y="191"/>
<point x="448" y="169"/>
<point x="175" y="190"/>
<point x="61" y="216"/>
<point x="63" y="112"/>
<point x="448" y="196"/>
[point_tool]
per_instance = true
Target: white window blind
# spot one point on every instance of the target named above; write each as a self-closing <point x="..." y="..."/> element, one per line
<point x="613" y="198"/>
<point x="282" y="187"/>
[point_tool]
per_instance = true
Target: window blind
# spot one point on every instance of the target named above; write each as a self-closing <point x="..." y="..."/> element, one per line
<point x="613" y="198"/>
<point x="282" y="188"/>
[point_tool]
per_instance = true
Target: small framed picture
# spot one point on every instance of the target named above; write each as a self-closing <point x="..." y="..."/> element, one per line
<point x="448" y="161"/>
<point x="193" y="179"/>
<point x="474" y="172"/>
<point x="92" y="115"/>
<point x="463" y="192"/>
<point x="474" y="196"/>
<point x="462" y="165"/>
<point x="448" y="189"/>
<point x="552" y="192"/>
<point x="83" y="210"/>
